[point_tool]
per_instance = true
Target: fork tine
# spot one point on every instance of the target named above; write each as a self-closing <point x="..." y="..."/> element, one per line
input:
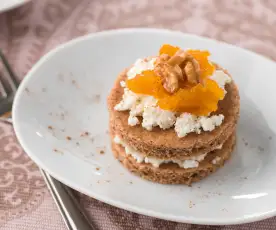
<point x="6" y="102"/>
<point x="11" y="76"/>
<point x="3" y="92"/>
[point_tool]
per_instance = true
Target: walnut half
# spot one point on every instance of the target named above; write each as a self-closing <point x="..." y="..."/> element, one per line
<point x="192" y="72"/>
<point x="180" y="67"/>
<point x="170" y="75"/>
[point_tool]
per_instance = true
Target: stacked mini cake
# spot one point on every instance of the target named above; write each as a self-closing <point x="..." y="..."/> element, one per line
<point x="173" y="116"/>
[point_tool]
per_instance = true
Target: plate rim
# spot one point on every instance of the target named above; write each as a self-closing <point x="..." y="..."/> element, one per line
<point x="15" y="5"/>
<point x="119" y="204"/>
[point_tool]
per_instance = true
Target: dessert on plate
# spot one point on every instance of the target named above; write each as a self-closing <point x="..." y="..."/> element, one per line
<point x="173" y="116"/>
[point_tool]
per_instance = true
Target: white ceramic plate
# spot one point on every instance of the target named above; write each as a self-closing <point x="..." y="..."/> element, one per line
<point x="67" y="90"/>
<point x="10" y="4"/>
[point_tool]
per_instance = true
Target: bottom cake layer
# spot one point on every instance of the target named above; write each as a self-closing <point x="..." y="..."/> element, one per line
<point x="171" y="173"/>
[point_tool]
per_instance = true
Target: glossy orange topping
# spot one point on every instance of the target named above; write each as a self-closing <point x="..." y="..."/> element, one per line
<point x="168" y="49"/>
<point x="147" y="83"/>
<point x="206" y="67"/>
<point x="200" y="99"/>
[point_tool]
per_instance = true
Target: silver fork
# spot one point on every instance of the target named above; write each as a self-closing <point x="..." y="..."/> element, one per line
<point x="72" y="214"/>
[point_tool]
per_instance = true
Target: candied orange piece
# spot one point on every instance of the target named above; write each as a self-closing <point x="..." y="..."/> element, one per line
<point x="168" y="49"/>
<point x="198" y="100"/>
<point x="206" y="68"/>
<point x="147" y="83"/>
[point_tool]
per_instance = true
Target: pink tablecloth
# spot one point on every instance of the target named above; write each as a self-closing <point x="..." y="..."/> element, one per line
<point x="29" y="32"/>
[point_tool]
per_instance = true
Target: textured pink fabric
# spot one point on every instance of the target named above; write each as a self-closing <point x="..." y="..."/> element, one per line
<point x="32" y="30"/>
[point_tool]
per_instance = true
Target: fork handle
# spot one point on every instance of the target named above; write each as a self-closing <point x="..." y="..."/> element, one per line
<point x="67" y="204"/>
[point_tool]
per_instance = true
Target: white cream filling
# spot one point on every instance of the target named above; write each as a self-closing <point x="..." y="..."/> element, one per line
<point x="139" y="66"/>
<point x="152" y="116"/>
<point x="193" y="162"/>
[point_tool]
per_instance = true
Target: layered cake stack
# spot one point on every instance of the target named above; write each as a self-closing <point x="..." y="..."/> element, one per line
<point x="173" y="116"/>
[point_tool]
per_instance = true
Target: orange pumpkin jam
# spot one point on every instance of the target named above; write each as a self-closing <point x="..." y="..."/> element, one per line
<point x="199" y="99"/>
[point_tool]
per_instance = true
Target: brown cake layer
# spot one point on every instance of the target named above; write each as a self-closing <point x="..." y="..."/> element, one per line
<point x="165" y="143"/>
<point x="178" y="154"/>
<point x="170" y="173"/>
<point x="172" y="156"/>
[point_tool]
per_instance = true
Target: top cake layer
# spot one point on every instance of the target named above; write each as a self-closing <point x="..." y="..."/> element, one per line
<point x="160" y="142"/>
<point x="176" y="103"/>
